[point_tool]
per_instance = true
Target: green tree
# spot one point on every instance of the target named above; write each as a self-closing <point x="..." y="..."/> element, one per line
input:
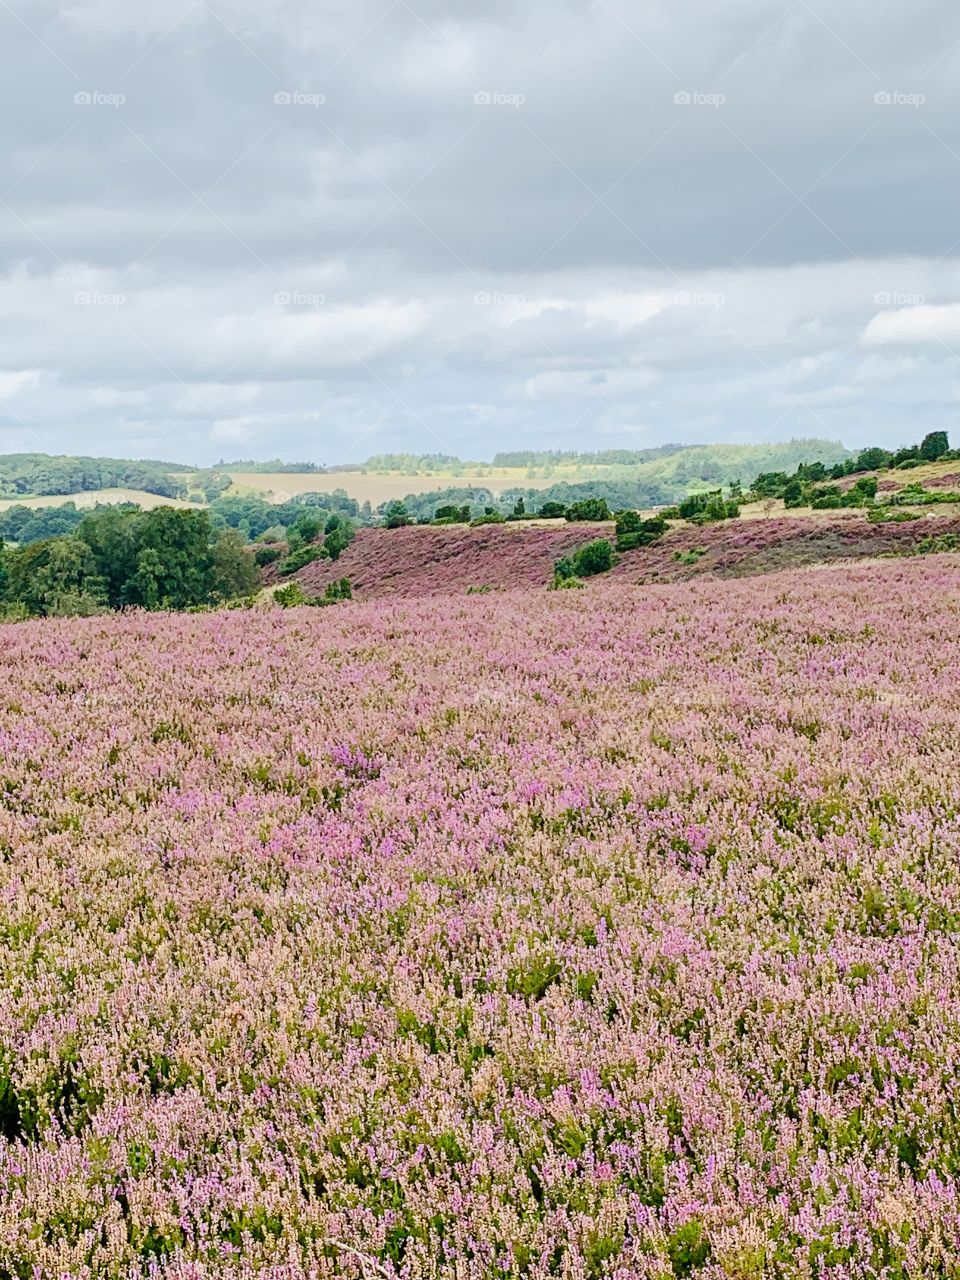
<point x="396" y="515"/>
<point x="589" y="509"/>
<point x="873" y="459"/>
<point x="58" y="576"/>
<point x="112" y="536"/>
<point x="234" y="570"/>
<point x="181" y="570"/>
<point x="309" y="524"/>
<point x="934" y="445"/>
<point x="146" y="585"/>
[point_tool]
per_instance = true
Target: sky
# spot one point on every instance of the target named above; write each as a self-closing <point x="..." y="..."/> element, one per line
<point x="325" y="229"/>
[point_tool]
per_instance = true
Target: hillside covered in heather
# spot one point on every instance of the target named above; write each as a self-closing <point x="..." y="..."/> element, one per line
<point x="419" y="560"/>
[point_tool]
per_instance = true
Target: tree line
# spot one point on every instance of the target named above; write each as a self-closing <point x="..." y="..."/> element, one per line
<point x="43" y="475"/>
<point x="253" y="518"/>
<point x="118" y="558"/>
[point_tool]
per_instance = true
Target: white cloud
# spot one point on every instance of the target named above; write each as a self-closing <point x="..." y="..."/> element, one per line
<point x="627" y="310"/>
<point x="114" y="398"/>
<point x="909" y="325"/>
<point x="12" y="383"/>
<point x="231" y="429"/>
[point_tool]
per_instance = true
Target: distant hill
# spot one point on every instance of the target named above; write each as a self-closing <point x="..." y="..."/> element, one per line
<point x="638" y="478"/>
<point x="41" y="475"/>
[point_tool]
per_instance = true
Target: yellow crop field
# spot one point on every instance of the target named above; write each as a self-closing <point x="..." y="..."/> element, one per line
<point x="90" y="498"/>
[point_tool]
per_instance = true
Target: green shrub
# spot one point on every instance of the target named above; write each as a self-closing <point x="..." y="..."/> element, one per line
<point x="338" y="590"/>
<point x="396" y="515"/>
<point x="690" y="556"/>
<point x="633" y="531"/>
<point x="688" y="1248"/>
<point x="552" y="511"/>
<point x="267" y="555"/>
<point x="934" y="446"/>
<point x="301" y="557"/>
<point x="290" y="596"/>
<point x="942" y="542"/>
<point x="593" y="558"/>
<point x="705" y="508"/>
<point x="452" y="514"/>
<point x="589" y="509"/>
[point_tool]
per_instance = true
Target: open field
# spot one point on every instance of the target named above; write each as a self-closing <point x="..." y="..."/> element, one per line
<point x="375" y="488"/>
<point x="90" y="498"/>
<point x="580" y="934"/>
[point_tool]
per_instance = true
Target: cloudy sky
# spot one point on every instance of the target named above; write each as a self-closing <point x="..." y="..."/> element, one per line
<point x="328" y="228"/>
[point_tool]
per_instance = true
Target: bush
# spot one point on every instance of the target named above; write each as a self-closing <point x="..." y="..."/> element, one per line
<point x="938" y="544"/>
<point x="396" y="515"/>
<point x="704" y="508"/>
<point x="593" y="558"/>
<point x="291" y="595"/>
<point x="339" y="590"/>
<point x="874" y="459"/>
<point x="552" y="511"/>
<point x="452" y="514"/>
<point x="308" y="524"/>
<point x="633" y="532"/>
<point x="267" y="555"/>
<point x="589" y="509"/>
<point x="691" y="556"/>
<point x="864" y="489"/>
<point x="934" y="446"/>
<point x="301" y="557"/>
<point x="563" y="569"/>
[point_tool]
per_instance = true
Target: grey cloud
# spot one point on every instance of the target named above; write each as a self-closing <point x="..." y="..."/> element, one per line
<point x="799" y="162"/>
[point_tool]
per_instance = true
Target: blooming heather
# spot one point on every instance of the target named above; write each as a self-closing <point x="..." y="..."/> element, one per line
<point x="610" y="932"/>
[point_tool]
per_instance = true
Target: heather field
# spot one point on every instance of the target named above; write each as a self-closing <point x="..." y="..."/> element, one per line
<point x="595" y="933"/>
<point x="417" y="561"/>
